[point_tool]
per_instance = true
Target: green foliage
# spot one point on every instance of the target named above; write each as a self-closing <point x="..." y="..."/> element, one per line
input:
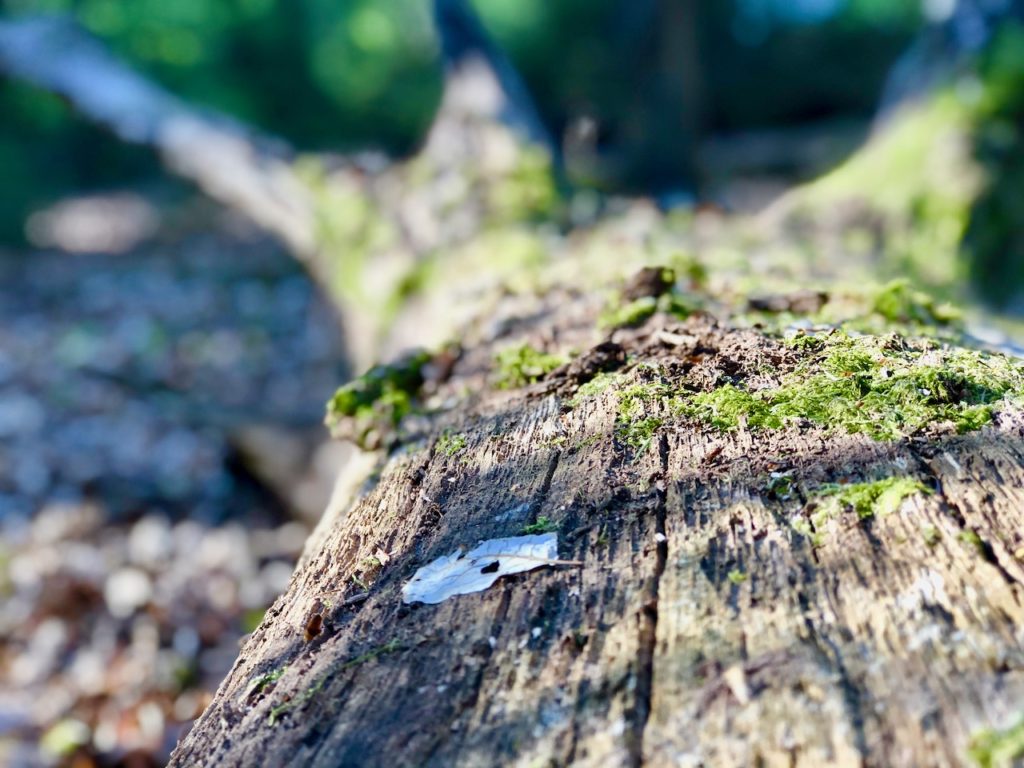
<point x="369" y="407"/>
<point x="872" y="499"/>
<point x="993" y="243"/>
<point x="315" y="71"/>
<point x="320" y="73"/>
<point x="522" y="364"/>
<point x="871" y="385"/>
<point x="993" y="748"/>
<point x="543" y="524"/>
<point x="47" y="151"/>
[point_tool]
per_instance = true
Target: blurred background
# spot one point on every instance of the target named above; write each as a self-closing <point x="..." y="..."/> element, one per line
<point x="165" y="354"/>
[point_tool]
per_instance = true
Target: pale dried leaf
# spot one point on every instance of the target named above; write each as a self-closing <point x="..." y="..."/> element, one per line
<point x="462" y="573"/>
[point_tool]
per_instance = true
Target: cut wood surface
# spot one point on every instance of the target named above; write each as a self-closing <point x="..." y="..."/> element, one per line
<point x="701" y="628"/>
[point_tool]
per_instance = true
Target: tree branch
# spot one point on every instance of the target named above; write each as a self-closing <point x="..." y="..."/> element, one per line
<point x="228" y="161"/>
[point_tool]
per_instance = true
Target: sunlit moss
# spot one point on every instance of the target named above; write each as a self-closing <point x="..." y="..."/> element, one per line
<point x="736" y="576"/>
<point x="450" y="444"/>
<point x="543" y="524"/>
<point x="594" y="387"/>
<point x="919" y="176"/>
<point x="875" y="498"/>
<point x="526" y="192"/>
<point x="899" y="302"/>
<point x="521" y="365"/>
<point x="370" y="406"/>
<point x="640" y="409"/>
<point x="636" y="312"/>
<point x="629" y="314"/>
<point x="992" y="747"/>
<point x="872" y="499"/>
<point x="728" y="406"/>
<point x="877" y="386"/>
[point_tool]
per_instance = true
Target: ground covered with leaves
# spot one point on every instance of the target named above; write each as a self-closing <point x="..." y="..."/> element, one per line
<point x="137" y="543"/>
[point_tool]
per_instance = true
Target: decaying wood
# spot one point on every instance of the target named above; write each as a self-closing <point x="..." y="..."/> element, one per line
<point x="701" y="628"/>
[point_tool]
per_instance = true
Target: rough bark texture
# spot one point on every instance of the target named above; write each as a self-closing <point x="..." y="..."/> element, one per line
<point x="701" y="629"/>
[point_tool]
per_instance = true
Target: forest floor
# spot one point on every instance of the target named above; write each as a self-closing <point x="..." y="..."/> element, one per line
<point x="136" y="546"/>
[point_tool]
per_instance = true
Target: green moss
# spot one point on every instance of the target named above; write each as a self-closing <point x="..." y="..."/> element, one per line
<point x="635" y="399"/>
<point x="527" y="192"/>
<point x="736" y="576"/>
<point x="972" y="540"/>
<point x="586" y="442"/>
<point x="804" y="342"/>
<point x="918" y="179"/>
<point x="594" y="387"/>
<point x="543" y="524"/>
<point x="898" y="302"/>
<point x="729" y="405"/>
<point x="932" y="535"/>
<point x="266" y="680"/>
<point x="691" y="269"/>
<point x="382" y="650"/>
<point x="521" y="365"/>
<point x="878" y="386"/>
<point x="350" y="228"/>
<point x="449" y="444"/>
<point x="634" y="313"/>
<point x="368" y="408"/>
<point x="808" y="528"/>
<point x="638" y="434"/>
<point x="780" y="485"/>
<point x="679" y="305"/>
<point x="635" y="424"/>
<point x="630" y="314"/>
<point x="992" y="748"/>
<point x="872" y="499"/>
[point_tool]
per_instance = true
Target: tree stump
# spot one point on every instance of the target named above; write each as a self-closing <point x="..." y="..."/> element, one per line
<point x="722" y="615"/>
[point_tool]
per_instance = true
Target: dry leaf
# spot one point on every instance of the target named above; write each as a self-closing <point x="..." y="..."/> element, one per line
<point x="462" y="573"/>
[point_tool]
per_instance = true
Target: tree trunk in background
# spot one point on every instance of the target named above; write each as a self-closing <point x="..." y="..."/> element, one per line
<point x="700" y="629"/>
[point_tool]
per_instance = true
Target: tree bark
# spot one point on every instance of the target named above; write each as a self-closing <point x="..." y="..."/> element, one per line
<point x="700" y="629"/>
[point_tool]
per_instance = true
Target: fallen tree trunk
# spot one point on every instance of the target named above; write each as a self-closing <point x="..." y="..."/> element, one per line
<point x="365" y="227"/>
<point x="732" y="605"/>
